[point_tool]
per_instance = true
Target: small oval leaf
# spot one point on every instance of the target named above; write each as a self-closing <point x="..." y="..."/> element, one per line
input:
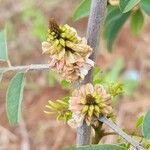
<point x="82" y="10"/>
<point x="146" y="125"/>
<point x="137" y="21"/>
<point x="3" y="46"/>
<point x="127" y="5"/>
<point x="113" y="24"/>
<point x="65" y="84"/>
<point x="145" y="5"/>
<point x="14" y="97"/>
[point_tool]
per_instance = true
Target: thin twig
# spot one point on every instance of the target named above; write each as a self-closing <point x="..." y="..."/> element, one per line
<point x="109" y="133"/>
<point x="95" y="23"/>
<point x="114" y="127"/>
<point x="132" y="133"/>
<point x="27" y="67"/>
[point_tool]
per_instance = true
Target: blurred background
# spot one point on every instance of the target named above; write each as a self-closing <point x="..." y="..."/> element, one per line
<point x="26" y="23"/>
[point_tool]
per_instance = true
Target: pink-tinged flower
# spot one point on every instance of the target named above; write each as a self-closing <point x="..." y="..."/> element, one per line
<point x="73" y="71"/>
<point x="63" y="42"/>
<point x="69" y="54"/>
<point x="90" y="102"/>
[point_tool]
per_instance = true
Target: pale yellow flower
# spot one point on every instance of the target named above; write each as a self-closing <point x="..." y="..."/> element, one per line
<point x="69" y="54"/>
<point x="71" y="71"/>
<point x="90" y="102"/>
<point x="63" y="41"/>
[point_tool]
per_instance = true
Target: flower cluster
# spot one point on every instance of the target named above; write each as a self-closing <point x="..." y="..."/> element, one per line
<point x="60" y="109"/>
<point x="88" y="103"/>
<point x="69" y="54"/>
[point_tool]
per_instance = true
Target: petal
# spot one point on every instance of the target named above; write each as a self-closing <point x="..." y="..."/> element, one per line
<point x="76" y="108"/>
<point x="52" y="62"/>
<point x="75" y="93"/>
<point x="89" y="88"/>
<point x="90" y="62"/>
<point x="46" y="47"/>
<point x="83" y="71"/>
<point x="61" y="54"/>
<point x="83" y="91"/>
<point x="74" y="100"/>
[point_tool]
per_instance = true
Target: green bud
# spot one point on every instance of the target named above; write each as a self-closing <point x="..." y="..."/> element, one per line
<point x="97" y="100"/>
<point x="62" y="28"/>
<point x="51" y="37"/>
<point x="59" y="48"/>
<point x="63" y="35"/>
<point x="62" y="42"/>
<point x="73" y="39"/>
<point x="90" y="111"/>
<point x="96" y="109"/>
<point x="59" y="116"/>
<point x="53" y="33"/>
<point x="48" y="39"/>
<point x="49" y="31"/>
<point x="54" y="105"/>
<point x="85" y="109"/>
<point x="61" y="102"/>
<point x="96" y="114"/>
<point x="116" y="89"/>
<point x="51" y="107"/>
<point x="83" y="101"/>
<point x="56" y="42"/>
<point x="72" y="34"/>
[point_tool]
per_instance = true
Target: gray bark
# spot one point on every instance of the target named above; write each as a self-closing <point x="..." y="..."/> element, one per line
<point x="95" y="23"/>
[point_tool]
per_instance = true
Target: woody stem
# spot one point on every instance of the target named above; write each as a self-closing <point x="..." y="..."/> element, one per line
<point x="95" y="23"/>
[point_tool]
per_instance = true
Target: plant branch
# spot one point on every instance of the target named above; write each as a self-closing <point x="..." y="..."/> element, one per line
<point x="114" y="127"/>
<point x="109" y="133"/>
<point x="27" y="67"/>
<point x="95" y="23"/>
<point x="132" y="133"/>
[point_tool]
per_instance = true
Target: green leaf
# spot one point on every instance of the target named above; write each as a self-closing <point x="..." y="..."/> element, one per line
<point x="113" y="23"/>
<point x="82" y="10"/>
<point x="113" y="74"/>
<point x="127" y="5"/>
<point x="96" y="73"/>
<point x="65" y="84"/>
<point x="146" y="125"/>
<point x="139" y="121"/>
<point x="14" y="97"/>
<point x="99" y="147"/>
<point x="137" y="21"/>
<point x="145" y="5"/>
<point x="3" y="46"/>
<point x="98" y="77"/>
